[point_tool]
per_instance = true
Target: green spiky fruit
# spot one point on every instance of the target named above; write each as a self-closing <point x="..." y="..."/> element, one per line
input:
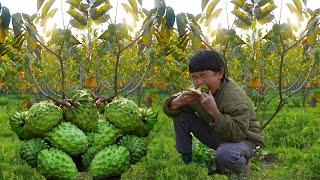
<point x="149" y="119"/>
<point x="104" y="134"/>
<point x="111" y="161"/>
<point x="83" y="112"/>
<point x="30" y="149"/>
<point x="83" y="96"/>
<point x="68" y="138"/>
<point x="136" y="146"/>
<point x="88" y="156"/>
<point x="18" y="125"/>
<point x="56" y="164"/>
<point x="43" y="117"/>
<point x="124" y="114"/>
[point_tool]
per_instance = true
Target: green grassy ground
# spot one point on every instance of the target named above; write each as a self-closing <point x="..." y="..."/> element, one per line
<point x="292" y="151"/>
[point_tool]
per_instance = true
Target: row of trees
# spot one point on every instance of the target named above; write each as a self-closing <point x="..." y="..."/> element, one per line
<point x="95" y="51"/>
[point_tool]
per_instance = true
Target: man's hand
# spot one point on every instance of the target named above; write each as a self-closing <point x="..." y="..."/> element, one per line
<point x="185" y="98"/>
<point x="209" y="103"/>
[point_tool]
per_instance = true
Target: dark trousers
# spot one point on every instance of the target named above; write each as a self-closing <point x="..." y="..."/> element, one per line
<point x="232" y="156"/>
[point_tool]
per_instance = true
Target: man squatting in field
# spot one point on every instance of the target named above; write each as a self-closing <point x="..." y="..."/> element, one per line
<point x="222" y="118"/>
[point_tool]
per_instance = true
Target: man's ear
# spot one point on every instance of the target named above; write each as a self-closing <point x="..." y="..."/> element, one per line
<point x="220" y="74"/>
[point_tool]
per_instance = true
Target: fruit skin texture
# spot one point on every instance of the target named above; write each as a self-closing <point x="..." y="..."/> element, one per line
<point x="43" y="117"/>
<point x="17" y="123"/>
<point x="56" y="164"/>
<point x="136" y="146"/>
<point x="149" y="119"/>
<point x="29" y="150"/>
<point x="69" y="138"/>
<point x="83" y="112"/>
<point x="124" y="114"/>
<point x="103" y="135"/>
<point x="111" y="161"/>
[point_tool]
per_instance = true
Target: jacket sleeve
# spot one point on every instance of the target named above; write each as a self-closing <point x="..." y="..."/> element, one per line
<point x="167" y="110"/>
<point x="174" y="113"/>
<point x="232" y="125"/>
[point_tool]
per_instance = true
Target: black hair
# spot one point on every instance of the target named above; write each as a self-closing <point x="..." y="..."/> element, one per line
<point x="207" y="60"/>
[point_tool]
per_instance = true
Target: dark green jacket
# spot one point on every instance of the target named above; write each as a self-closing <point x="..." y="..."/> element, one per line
<point x="237" y="121"/>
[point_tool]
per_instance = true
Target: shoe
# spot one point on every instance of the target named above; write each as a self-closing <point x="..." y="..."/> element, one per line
<point x="186" y="158"/>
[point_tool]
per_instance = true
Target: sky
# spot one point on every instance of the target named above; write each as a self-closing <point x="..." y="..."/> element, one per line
<point x="190" y="6"/>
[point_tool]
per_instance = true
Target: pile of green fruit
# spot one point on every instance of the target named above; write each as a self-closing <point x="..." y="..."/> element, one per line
<point x="65" y="142"/>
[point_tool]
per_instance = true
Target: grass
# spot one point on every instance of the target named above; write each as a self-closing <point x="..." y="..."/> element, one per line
<point x="11" y="166"/>
<point x="292" y="151"/>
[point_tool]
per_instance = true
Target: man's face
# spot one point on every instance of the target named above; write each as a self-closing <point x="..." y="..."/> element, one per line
<point x="208" y="78"/>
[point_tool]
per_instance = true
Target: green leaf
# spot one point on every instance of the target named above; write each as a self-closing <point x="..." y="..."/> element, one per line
<point x="127" y="8"/>
<point x="98" y="3"/>
<point x="74" y="3"/>
<point x="19" y="41"/>
<point x="160" y="12"/>
<point x="272" y="37"/>
<point x="310" y="11"/>
<point x="17" y="24"/>
<point x="234" y="39"/>
<point x="263" y="2"/>
<point x="122" y="31"/>
<point x="241" y="24"/>
<point x="211" y="7"/>
<point x="170" y="17"/>
<point x="196" y="31"/>
<point x="97" y="12"/>
<point x="197" y="17"/>
<point x="305" y="2"/>
<point x="311" y="39"/>
<point x="204" y="4"/>
<point x="292" y="8"/>
<point x="104" y="18"/>
<point x="46" y="7"/>
<point x="71" y="40"/>
<point x="83" y="7"/>
<point x="241" y="16"/>
<point x="5" y="18"/>
<point x="295" y="11"/>
<point x="159" y="3"/>
<point x="213" y="16"/>
<point x="134" y="5"/>
<point x="51" y="13"/>
<point x="238" y="3"/>
<point x="39" y="4"/>
<point x="140" y="2"/>
<point x="266" y="19"/>
<point x="76" y="24"/>
<point x="247" y="7"/>
<point x="104" y="35"/>
<point x="3" y="35"/>
<point x="263" y="12"/>
<point x="78" y="16"/>
<point x="317" y="56"/>
<point x="191" y="18"/>
<point x="148" y="23"/>
<point x="286" y="31"/>
<point x="181" y="20"/>
<point x="298" y="5"/>
<point x="147" y="36"/>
